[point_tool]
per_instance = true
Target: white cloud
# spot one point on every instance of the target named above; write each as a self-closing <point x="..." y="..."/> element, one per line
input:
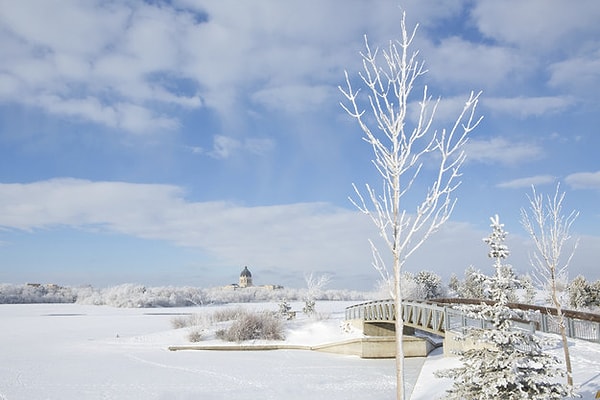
<point x="520" y="23"/>
<point x="499" y="150"/>
<point x="458" y="62"/>
<point x="293" y="238"/>
<point x="259" y="146"/>
<point x="528" y="106"/>
<point x="95" y="61"/>
<point x="447" y="111"/>
<point x="554" y="44"/>
<point x="296" y="99"/>
<point x="225" y="146"/>
<point x="580" y="73"/>
<point x="584" y="180"/>
<point x="527" y="182"/>
<point x="286" y="56"/>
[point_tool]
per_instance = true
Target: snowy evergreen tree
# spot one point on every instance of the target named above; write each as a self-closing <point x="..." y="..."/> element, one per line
<point x="454" y="284"/>
<point x="580" y="294"/>
<point x="508" y="363"/>
<point x="506" y="282"/>
<point x="595" y="289"/>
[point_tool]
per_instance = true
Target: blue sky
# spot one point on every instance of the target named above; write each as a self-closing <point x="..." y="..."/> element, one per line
<point x="174" y="142"/>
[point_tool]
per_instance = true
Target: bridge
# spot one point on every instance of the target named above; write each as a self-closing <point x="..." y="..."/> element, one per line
<point x="440" y="317"/>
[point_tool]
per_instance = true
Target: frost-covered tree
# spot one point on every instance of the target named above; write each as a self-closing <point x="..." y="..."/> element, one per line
<point x="314" y="286"/>
<point x="430" y="284"/>
<point x="410" y="288"/>
<point x="508" y="363"/>
<point x="550" y="230"/>
<point x="580" y="293"/>
<point x="472" y="286"/>
<point x="529" y="292"/>
<point x="454" y="283"/>
<point x="401" y="145"/>
<point x="595" y="289"/>
<point x="583" y="294"/>
<point x="506" y="282"/>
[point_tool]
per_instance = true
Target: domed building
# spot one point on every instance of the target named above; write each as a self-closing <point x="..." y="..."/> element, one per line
<point x="245" y="278"/>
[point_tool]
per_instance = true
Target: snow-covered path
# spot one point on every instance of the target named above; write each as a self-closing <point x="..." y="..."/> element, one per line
<point x="66" y="351"/>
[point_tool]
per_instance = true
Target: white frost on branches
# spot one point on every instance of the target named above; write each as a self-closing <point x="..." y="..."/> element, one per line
<point x="550" y="230"/>
<point x="508" y="362"/>
<point x="399" y="150"/>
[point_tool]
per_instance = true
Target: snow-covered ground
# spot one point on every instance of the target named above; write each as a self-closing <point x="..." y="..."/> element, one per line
<point x="70" y="351"/>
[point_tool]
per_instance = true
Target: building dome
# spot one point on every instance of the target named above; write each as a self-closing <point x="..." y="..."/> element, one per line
<point x="245" y="278"/>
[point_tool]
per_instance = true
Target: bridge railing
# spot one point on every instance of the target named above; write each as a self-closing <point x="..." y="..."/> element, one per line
<point x="422" y="315"/>
<point x="579" y="325"/>
<point x="439" y="316"/>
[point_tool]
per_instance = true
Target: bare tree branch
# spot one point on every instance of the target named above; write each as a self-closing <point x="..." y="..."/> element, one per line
<point x="400" y="153"/>
<point x="550" y="230"/>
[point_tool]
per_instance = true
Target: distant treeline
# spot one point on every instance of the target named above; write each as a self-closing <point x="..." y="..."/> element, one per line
<point x="132" y="295"/>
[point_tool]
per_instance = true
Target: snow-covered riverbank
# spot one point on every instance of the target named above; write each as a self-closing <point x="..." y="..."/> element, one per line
<point x="70" y="351"/>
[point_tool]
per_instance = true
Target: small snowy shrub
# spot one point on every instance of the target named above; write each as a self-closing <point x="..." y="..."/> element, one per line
<point x="179" y="322"/>
<point x="195" y="336"/>
<point x="227" y="314"/>
<point x="285" y="310"/>
<point x="284" y="307"/>
<point x="185" y="321"/>
<point x="309" y="307"/>
<point x="253" y="326"/>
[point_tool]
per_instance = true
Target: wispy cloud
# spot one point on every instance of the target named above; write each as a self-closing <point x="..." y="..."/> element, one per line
<point x="584" y="180"/>
<point x="225" y="146"/>
<point x="527" y="182"/>
<point x="499" y="150"/>
<point x="577" y="74"/>
<point x="457" y="62"/>
<point x="96" y="63"/>
<point x="292" y="238"/>
<point x="295" y="99"/>
<point x="269" y="236"/>
<point x="528" y="106"/>
<point x="562" y="25"/>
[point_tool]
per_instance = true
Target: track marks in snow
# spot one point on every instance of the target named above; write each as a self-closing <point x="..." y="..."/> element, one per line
<point x="204" y="372"/>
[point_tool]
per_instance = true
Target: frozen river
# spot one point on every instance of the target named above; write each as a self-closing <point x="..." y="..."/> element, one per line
<point x="68" y="351"/>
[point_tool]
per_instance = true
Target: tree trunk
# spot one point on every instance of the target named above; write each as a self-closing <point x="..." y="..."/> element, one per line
<point x="399" y="325"/>
<point x="563" y="335"/>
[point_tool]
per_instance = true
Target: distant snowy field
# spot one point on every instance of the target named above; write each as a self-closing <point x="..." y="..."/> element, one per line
<point x="72" y="351"/>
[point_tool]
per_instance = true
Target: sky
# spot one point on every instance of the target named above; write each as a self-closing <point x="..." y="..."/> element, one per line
<point x="174" y="142"/>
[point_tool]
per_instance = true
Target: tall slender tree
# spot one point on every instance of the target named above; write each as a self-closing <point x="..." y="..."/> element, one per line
<point x="550" y="230"/>
<point x="401" y="146"/>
